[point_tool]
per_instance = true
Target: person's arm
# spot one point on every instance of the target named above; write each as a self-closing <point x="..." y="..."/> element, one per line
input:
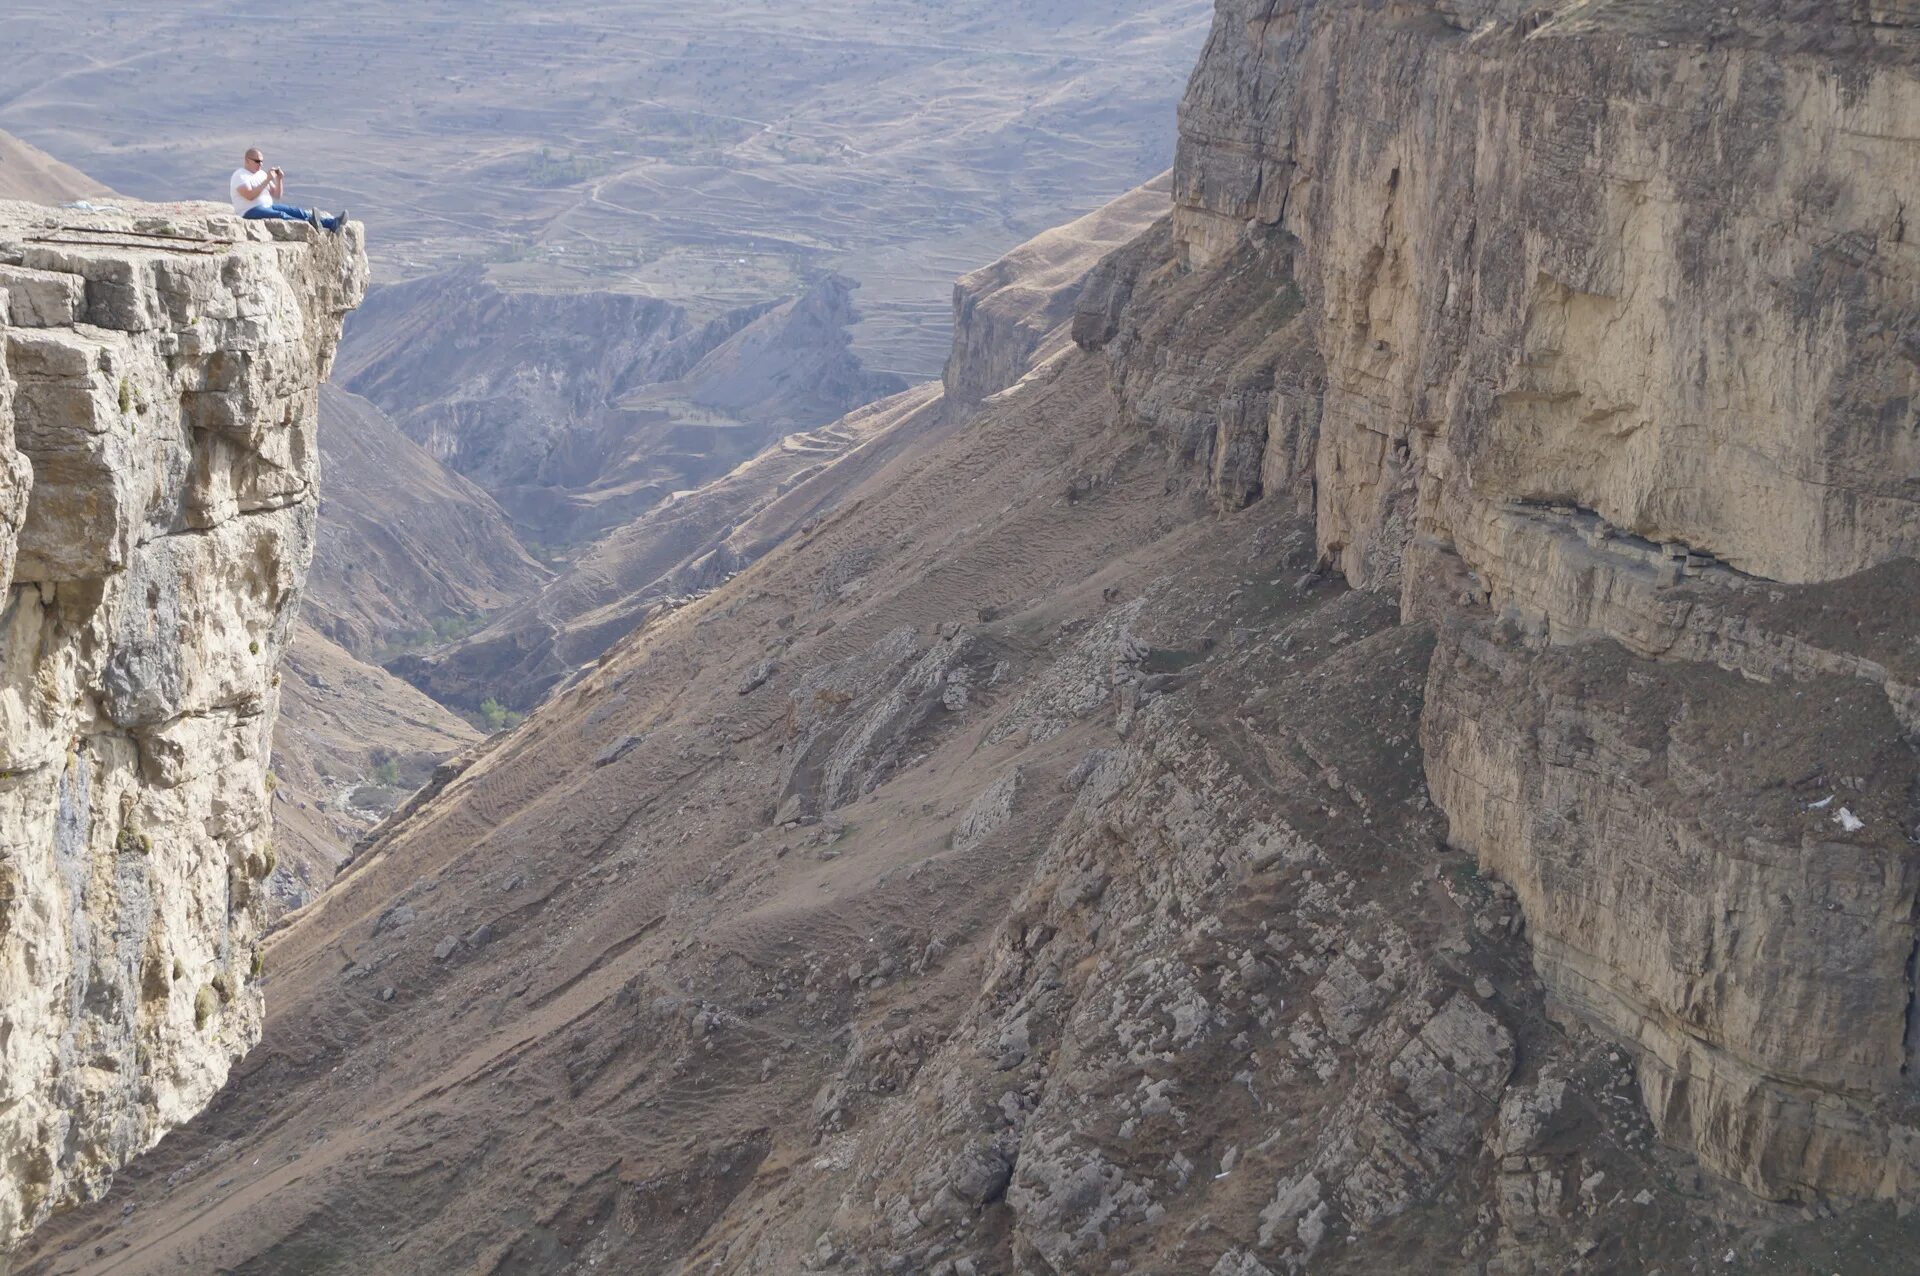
<point x="253" y="191"/>
<point x="279" y="183"/>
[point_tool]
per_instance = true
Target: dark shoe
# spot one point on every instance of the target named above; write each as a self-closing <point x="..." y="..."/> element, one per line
<point x="313" y="218"/>
<point x="339" y="221"/>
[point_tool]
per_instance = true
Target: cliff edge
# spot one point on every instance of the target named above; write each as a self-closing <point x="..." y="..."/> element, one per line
<point x="159" y="371"/>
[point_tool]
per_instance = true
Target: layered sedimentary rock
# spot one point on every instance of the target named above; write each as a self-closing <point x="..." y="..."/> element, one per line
<point x="158" y="472"/>
<point x="1613" y="305"/>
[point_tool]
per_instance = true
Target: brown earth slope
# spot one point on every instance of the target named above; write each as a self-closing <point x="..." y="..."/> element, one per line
<point x="407" y="554"/>
<point x="1336" y="773"/>
<point x="27" y="172"/>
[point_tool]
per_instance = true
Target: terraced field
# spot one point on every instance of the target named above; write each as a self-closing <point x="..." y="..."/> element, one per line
<point x="711" y="155"/>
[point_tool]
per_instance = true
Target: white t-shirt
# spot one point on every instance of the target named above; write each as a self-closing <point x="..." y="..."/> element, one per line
<point x="241" y="177"/>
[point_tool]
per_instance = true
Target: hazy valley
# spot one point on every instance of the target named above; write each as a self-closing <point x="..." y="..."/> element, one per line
<point x="712" y="156"/>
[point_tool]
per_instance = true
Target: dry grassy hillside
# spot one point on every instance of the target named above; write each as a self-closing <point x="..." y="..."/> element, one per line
<point x="26" y="172"/>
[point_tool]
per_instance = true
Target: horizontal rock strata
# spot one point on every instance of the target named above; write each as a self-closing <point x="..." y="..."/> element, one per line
<point x="158" y="471"/>
<point x="1612" y="306"/>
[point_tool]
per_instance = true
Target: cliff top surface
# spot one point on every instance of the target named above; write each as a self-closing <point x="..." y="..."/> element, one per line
<point x="138" y="225"/>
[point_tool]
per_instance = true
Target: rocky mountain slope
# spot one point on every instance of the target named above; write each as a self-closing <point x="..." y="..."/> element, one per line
<point x="157" y="506"/>
<point x="1599" y="419"/>
<point x="406" y="554"/>
<point x="352" y="744"/>
<point x="408" y="551"/>
<point x="29" y="173"/>
<point x="1395" y="751"/>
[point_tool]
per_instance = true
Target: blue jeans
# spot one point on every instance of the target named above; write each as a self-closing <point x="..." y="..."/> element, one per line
<point x="287" y="213"/>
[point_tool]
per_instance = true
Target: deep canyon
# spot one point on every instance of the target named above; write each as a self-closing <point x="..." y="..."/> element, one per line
<point x="1368" y="722"/>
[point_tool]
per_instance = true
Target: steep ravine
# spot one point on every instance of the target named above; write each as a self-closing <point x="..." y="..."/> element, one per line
<point x="158" y="377"/>
<point x="1391" y="751"/>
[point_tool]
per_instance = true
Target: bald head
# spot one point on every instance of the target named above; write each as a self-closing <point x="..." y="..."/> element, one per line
<point x="255" y="159"/>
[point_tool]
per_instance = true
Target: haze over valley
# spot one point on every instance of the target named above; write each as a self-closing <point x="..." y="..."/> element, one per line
<point x="712" y="155"/>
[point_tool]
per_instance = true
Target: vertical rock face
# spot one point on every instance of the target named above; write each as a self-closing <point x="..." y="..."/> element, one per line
<point x="158" y="472"/>
<point x="1614" y="309"/>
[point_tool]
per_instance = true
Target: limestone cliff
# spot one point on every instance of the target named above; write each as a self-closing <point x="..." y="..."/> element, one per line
<point x="158" y="468"/>
<point x="1611" y="367"/>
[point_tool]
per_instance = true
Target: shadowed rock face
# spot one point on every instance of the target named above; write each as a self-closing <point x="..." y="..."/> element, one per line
<point x="157" y="505"/>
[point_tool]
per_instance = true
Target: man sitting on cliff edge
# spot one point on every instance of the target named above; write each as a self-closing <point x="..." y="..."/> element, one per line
<point x="255" y="191"/>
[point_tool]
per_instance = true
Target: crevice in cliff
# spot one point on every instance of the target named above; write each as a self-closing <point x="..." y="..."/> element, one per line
<point x="1600" y="534"/>
<point x="1912" y="1026"/>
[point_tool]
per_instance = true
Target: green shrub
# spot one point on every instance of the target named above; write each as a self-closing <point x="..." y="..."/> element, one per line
<point x="205" y="1003"/>
<point x="497" y="717"/>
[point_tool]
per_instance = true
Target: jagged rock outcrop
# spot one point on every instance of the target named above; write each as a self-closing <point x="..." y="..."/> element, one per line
<point x="1622" y="387"/>
<point x="1015" y="313"/>
<point x="157" y="502"/>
